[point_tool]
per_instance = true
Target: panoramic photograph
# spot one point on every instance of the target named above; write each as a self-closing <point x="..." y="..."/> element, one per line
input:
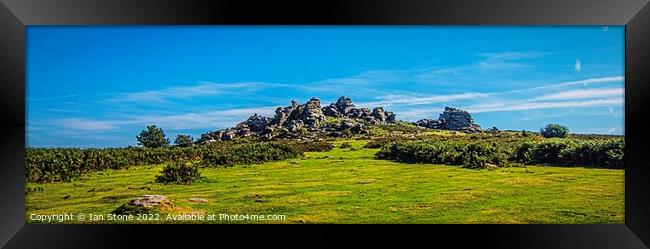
<point x="325" y="124"/>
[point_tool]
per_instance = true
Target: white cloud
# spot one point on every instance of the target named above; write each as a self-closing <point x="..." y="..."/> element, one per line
<point x="202" y="89"/>
<point x="578" y="66"/>
<point x="86" y="125"/>
<point x="506" y="60"/>
<point x="584" y="82"/>
<point x="585" y="94"/>
<point x="514" y="106"/>
<point x="421" y="100"/>
<point x="207" y="120"/>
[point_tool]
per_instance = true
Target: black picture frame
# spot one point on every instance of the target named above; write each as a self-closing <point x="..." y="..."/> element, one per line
<point x="15" y="15"/>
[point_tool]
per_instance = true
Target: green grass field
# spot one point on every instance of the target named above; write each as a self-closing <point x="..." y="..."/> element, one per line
<point x="350" y="186"/>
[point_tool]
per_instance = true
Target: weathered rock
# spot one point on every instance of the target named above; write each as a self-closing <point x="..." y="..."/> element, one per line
<point x="346" y="124"/>
<point x="428" y="123"/>
<point x="331" y="111"/>
<point x="228" y="135"/>
<point x="150" y="200"/>
<point x="379" y="114"/>
<point x="294" y="125"/>
<point x="452" y="119"/>
<point x="359" y="129"/>
<point x="257" y="123"/>
<point x="198" y="200"/>
<point x="310" y="113"/>
<point x="144" y="204"/>
<point x="343" y="105"/>
<point x="358" y="113"/>
<point x="288" y="120"/>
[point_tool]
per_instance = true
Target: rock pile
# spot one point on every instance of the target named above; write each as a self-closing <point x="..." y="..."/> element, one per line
<point x="294" y="120"/>
<point x="144" y="204"/>
<point x="452" y="119"/>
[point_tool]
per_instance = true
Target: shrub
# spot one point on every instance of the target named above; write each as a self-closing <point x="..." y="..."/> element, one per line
<point x="554" y="130"/>
<point x="184" y="140"/>
<point x="345" y="145"/>
<point x="181" y="172"/>
<point x="65" y="164"/>
<point x="524" y="153"/>
<point x="470" y="155"/>
<point x="549" y="151"/>
<point x="253" y="153"/>
<point x="603" y="152"/>
<point x="152" y="137"/>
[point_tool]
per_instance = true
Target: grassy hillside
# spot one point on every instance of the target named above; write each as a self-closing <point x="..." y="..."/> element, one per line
<point x="350" y="186"/>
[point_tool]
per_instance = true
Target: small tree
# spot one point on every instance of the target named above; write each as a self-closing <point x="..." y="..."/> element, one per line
<point x="184" y="140"/>
<point x="554" y="130"/>
<point x="152" y="137"/>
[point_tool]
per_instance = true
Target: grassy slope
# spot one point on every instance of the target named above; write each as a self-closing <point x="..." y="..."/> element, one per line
<point x="352" y="187"/>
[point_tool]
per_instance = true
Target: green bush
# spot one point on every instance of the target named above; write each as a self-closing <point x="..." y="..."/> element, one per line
<point x="253" y="153"/>
<point x="554" y="130"/>
<point x="65" y="164"/>
<point x="570" y="152"/>
<point x="470" y="155"/>
<point x="345" y="145"/>
<point x="181" y="172"/>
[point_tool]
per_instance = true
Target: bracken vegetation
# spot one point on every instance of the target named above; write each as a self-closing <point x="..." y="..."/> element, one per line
<point x="604" y="152"/>
<point x="65" y="164"/>
<point x="601" y="152"/>
<point x="470" y="155"/>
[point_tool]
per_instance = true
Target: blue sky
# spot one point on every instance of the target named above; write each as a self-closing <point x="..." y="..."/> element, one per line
<point x="99" y="86"/>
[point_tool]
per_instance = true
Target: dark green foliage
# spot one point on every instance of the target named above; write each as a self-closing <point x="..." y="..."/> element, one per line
<point x="252" y="153"/>
<point x="65" y="164"/>
<point x="554" y="130"/>
<point x="345" y="145"/>
<point x="567" y="152"/>
<point x="602" y="152"/>
<point x="184" y="140"/>
<point x="181" y="172"/>
<point x="152" y="137"/>
<point x="471" y="155"/>
<point x="524" y="153"/>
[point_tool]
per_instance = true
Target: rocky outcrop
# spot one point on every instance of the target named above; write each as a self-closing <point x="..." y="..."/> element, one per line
<point x="291" y="121"/>
<point x="452" y="119"/>
<point x="340" y="108"/>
